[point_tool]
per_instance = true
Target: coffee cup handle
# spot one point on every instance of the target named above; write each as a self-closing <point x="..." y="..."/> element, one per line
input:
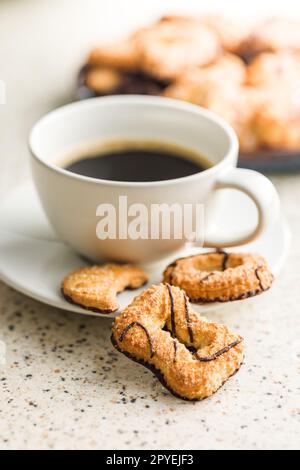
<point x="265" y="197"/>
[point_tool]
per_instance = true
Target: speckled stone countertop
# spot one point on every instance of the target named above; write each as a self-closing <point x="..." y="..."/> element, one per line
<point x="64" y="386"/>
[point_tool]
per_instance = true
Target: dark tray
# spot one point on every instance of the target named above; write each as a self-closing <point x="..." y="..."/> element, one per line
<point x="271" y="161"/>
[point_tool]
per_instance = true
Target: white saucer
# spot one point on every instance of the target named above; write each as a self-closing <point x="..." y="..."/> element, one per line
<point x="34" y="261"/>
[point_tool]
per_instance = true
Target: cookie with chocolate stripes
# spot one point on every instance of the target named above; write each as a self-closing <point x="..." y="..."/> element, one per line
<point x="190" y="355"/>
<point x="220" y="276"/>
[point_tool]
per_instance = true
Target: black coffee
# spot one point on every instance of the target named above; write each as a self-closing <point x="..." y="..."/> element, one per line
<point x="136" y="164"/>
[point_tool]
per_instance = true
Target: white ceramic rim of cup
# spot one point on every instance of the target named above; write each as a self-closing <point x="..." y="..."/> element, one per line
<point x="142" y="100"/>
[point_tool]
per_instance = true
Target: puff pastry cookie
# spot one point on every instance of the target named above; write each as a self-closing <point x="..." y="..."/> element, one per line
<point x="228" y="68"/>
<point x="103" y="80"/>
<point x="230" y="33"/>
<point x="95" y="288"/>
<point x="220" y="276"/>
<point x="190" y="355"/>
<point x="274" y="67"/>
<point x="277" y="119"/>
<point x="123" y="55"/>
<point x="168" y="50"/>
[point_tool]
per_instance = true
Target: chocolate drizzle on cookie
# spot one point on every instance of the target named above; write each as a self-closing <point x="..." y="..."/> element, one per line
<point x="176" y="359"/>
<point x="173" y="325"/>
<point x="188" y="321"/>
<point x="225" y="259"/>
<point x="175" y="349"/>
<point x="219" y="353"/>
<point x="219" y="276"/>
<point x="136" y="323"/>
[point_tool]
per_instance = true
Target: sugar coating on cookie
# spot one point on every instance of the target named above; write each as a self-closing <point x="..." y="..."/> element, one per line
<point x="220" y="276"/>
<point x="190" y="355"/>
<point x="95" y="288"/>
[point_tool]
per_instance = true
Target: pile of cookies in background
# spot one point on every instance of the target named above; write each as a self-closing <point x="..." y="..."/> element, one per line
<point x="248" y="75"/>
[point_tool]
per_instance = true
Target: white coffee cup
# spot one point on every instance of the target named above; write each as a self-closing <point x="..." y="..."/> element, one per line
<point x="70" y="200"/>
